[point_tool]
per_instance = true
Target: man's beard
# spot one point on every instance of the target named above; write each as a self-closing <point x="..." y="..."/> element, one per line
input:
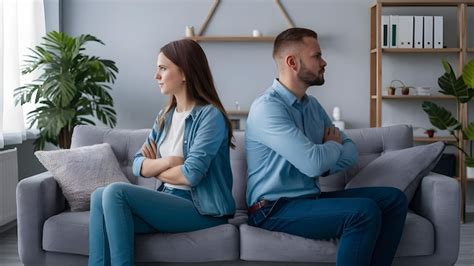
<point x="309" y="78"/>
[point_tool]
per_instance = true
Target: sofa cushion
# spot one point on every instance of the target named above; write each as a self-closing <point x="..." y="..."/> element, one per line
<point x="124" y="142"/>
<point x="371" y="143"/>
<point x="258" y="244"/>
<point x="68" y="232"/>
<point x="82" y="170"/>
<point x="402" y="169"/>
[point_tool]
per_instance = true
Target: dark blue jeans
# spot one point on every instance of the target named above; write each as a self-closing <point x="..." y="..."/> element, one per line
<point x="368" y="221"/>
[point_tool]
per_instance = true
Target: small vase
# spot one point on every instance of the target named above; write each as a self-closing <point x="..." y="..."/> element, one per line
<point x="391" y="90"/>
<point x="405" y="90"/>
<point x="430" y="133"/>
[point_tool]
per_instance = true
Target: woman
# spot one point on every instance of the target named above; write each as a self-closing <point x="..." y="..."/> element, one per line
<point x="187" y="149"/>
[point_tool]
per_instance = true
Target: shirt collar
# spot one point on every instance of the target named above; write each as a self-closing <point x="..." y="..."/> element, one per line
<point x="193" y="113"/>
<point x="287" y="95"/>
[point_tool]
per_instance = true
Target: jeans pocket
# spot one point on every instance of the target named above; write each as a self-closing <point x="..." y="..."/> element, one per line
<point x="263" y="213"/>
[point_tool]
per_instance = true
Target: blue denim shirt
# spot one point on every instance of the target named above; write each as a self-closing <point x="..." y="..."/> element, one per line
<point x="285" y="149"/>
<point x="206" y="159"/>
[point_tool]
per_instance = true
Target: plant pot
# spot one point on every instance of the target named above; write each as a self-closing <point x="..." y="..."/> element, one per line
<point x="405" y="90"/>
<point x="430" y="133"/>
<point x="64" y="138"/>
<point x="470" y="172"/>
<point x="391" y="90"/>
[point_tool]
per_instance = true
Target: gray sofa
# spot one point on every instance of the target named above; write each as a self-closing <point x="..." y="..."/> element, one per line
<point x="49" y="234"/>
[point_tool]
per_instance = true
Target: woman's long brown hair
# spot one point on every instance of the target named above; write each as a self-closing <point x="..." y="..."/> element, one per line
<point x="191" y="59"/>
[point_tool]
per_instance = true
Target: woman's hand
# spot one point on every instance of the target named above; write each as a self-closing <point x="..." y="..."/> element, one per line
<point x="149" y="150"/>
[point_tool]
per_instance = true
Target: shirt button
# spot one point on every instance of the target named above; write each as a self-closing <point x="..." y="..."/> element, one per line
<point x="185" y="141"/>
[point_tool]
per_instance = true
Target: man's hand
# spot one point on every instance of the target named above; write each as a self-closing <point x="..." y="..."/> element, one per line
<point x="149" y="150"/>
<point x="332" y="133"/>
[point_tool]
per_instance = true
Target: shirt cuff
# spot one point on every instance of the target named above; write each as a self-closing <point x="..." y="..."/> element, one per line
<point x="189" y="176"/>
<point x="137" y="166"/>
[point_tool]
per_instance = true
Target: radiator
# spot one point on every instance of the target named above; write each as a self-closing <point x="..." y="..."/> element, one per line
<point x="8" y="182"/>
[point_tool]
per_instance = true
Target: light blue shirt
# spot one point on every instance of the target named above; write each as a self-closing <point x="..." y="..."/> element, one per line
<point x="285" y="149"/>
<point x="206" y="159"/>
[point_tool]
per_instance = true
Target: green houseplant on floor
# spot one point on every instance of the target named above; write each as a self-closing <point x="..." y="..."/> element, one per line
<point x="71" y="88"/>
<point x="462" y="88"/>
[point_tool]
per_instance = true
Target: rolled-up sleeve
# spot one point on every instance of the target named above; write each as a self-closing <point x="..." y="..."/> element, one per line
<point x="209" y="136"/>
<point x="276" y="129"/>
<point x="139" y="157"/>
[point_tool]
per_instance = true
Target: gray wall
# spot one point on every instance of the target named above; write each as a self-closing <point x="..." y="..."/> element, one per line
<point x="134" y="30"/>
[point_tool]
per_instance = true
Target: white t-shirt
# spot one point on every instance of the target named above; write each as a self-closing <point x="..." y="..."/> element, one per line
<point x="172" y="145"/>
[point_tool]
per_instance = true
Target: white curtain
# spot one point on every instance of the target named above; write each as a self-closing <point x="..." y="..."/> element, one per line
<point x="22" y="24"/>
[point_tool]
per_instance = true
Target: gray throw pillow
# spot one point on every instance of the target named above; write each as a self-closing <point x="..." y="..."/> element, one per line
<point x="402" y="169"/>
<point x="81" y="170"/>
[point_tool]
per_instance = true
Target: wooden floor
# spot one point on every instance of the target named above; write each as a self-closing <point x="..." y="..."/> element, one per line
<point x="9" y="247"/>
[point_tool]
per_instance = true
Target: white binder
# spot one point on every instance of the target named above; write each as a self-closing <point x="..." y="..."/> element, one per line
<point x="405" y="32"/>
<point x="438" y="32"/>
<point x="428" y="32"/>
<point x="393" y="31"/>
<point x="385" y="32"/>
<point x="418" y="32"/>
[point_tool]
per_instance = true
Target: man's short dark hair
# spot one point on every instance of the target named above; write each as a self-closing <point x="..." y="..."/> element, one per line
<point x="290" y="36"/>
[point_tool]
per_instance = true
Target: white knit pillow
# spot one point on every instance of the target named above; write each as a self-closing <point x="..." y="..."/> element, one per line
<point x="81" y="170"/>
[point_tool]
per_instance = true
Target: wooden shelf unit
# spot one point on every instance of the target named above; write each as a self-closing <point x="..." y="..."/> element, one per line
<point x="376" y="87"/>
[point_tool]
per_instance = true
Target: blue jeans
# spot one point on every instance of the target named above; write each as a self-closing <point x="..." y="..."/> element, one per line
<point x="368" y="221"/>
<point x="120" y="210"/>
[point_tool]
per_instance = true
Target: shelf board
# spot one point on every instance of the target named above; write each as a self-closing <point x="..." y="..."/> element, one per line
<point x="417" y="97"/>
<point x="232" y="38"/>
<point x="423" y="2"/>
<point x="237" y="112"/>
<point x="421" y="50"/>
<point x="434" y="139"/>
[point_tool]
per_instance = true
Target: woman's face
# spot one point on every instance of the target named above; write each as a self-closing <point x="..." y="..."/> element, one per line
<point x="170" y="78"/>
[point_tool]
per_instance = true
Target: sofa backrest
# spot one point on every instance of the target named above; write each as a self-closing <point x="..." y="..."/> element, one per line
<point x="371" y="143"/>
<point x="238" y="163"/>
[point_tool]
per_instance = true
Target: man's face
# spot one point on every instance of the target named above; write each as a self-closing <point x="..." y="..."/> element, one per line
<point x="312" y="64"/>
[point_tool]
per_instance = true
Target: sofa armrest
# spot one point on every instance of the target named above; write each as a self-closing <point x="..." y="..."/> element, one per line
<point x="38" y="197"/>
<point x="438" y="200"/>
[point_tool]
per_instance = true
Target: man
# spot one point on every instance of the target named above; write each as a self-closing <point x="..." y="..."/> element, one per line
<point x="290" y="142"/>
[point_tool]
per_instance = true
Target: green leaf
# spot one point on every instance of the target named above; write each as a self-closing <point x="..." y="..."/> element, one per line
<point x="440" y="117"/>
<point x="450" y="85"/>
<point x="468" y="74"/>
<point x="469" y="132"/>
<point x="469" y="161"/>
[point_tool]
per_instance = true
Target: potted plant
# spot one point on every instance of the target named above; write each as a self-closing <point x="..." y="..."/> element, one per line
<point x="463" y="89"/>
<point x="404" y="89"/>
<point x="71" y="88"/>
<point x="430" y="132"/>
